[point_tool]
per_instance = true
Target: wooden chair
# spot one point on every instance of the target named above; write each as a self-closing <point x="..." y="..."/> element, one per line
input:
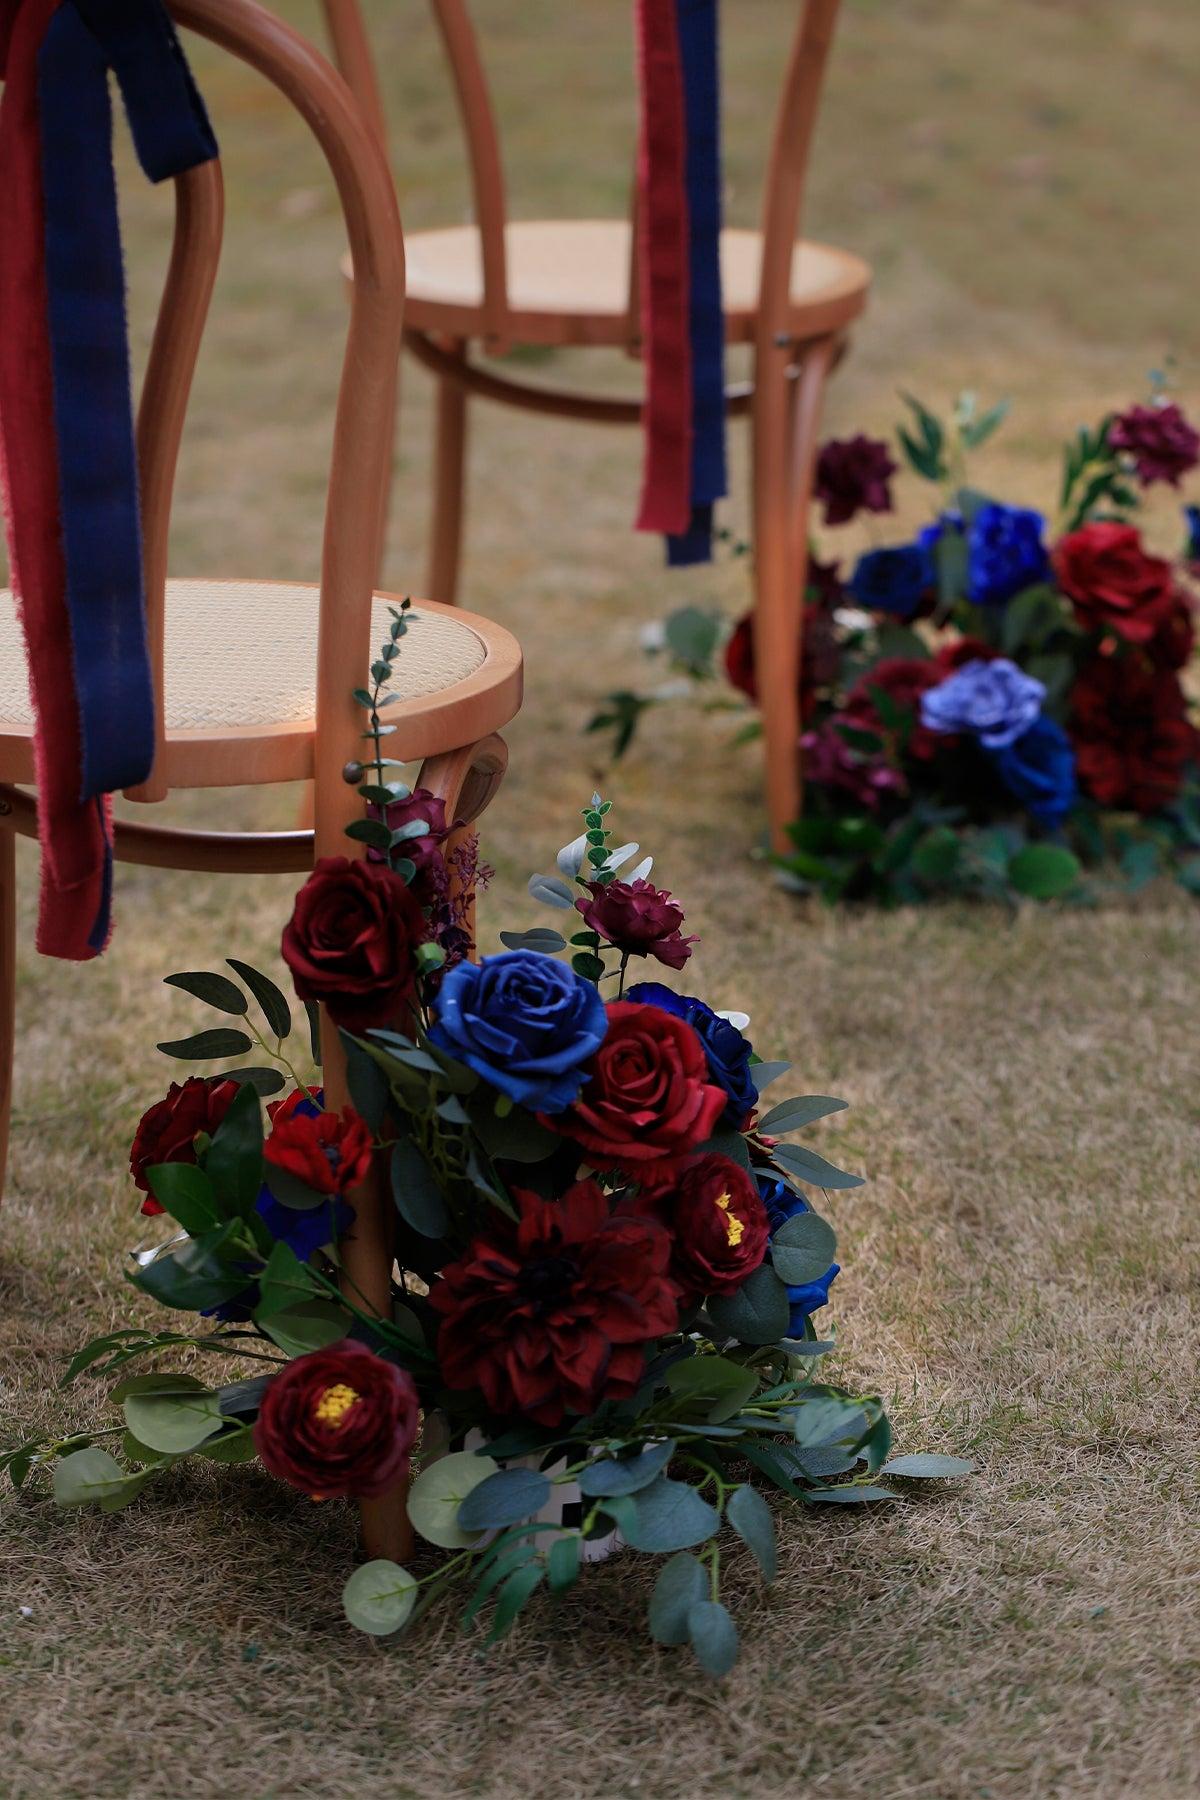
<point x="500" y="283"/>
<point x="219" y="723"/>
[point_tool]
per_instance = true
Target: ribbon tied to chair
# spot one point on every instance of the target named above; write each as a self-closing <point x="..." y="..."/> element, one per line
<point x="67" y="456"/>
<point x="679" y="247"/>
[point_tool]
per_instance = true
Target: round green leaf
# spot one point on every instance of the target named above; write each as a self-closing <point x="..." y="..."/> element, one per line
<point x="171" y="1421"/>
<point x="505" y="1498"/>
<point x="1044" y="871"/>
<point x="379" y="1597"/>
<point x="440" y="1490"/>
<point x="608" y="1475"/>
<point x="803" y="1248"/>
<point x="925" y="1464"/>
<point x="87" y="1477"/>
<point x="758" y="1313"/>
<point x="713" y="1636"/>
<point x="670" y="1515"/>
<point x="680" y="1585"/>
<point x="752" y="1519"/>
<point x="310" y="1326"/>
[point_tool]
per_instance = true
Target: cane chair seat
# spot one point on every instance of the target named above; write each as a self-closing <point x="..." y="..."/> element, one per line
<point x="568" y="282"/>
<point x="240" y="666"/>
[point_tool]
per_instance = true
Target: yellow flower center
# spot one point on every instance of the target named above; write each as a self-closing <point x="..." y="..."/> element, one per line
<point x="334" y="1404"/>
<point x="735" y="1230"/>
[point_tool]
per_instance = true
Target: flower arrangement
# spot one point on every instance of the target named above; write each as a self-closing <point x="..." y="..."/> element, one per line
<point x="607" y="1263"/>
<point x="995" y="705"/>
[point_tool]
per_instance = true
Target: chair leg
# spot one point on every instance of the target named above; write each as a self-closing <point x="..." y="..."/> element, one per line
<point x="786" y="419"/>
<point x="449" y="480"/>
<point x="8" y="982"/>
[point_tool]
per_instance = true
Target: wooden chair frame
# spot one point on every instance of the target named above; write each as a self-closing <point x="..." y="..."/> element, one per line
<point x="452" y="733"/>
<point x="784" y="399"/>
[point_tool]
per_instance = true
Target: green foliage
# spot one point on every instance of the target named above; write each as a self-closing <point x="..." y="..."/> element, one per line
<point x="757" y="1313"/>
<point x="438" y="1493"/>
<point x="379" y="1597"/>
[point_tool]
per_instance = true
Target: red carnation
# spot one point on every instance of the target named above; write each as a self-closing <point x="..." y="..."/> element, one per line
<point x="1131" y="732"/>
<point x="1112" y="583"/>
<point x="647" y="1100"/>
<point x="327" y="1151"/>
<point x="1159" y="439"/>
<point x="854" y="475"/>
<point x="638" y="919"/>
<point x="718" y="1225"/>
<point x="903" y="679"/>
<point x="552" y="1317"/>
<point x="338" y="1422"/>
<point x="820" y="657"/>
<point x="167" y="1132"/>
<point x="351" y="939"/>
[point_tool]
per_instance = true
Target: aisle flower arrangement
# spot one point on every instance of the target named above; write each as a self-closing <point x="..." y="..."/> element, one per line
<point x="998" y="704"/>
<point x="608" y="1258"/>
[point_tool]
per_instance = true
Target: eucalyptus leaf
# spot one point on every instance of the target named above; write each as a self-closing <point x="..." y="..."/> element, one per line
<point x="505" y="1498"/>
<point x="214" y="990"/>
<point x="312" y="1325"/>
<point x="752" y="1519"/>
<point x="922" y="1465"/>
<point x="92" y="1477"/>
<point x="551" y="890"/>
<point x="681" y="1584"/>
<point x="794" y="1115"/>
<point x="610" y="1475"/>
<point x="271" y="999"/>
<point x="562" y="1563"/>
<point x="540" y="938"/>
<point x="803" y="1249"/>
<point x="669" y="1515"/>
<point x="713" y="1637"/>
<point x="758" y="1313"/>
<point x="418" y="1198"/>
<point x="805" y="1165"/>
<point x="513" y="1595"/>
<point x="222" y="1040"/>
<point x="379" y="1597"/>
<point x="764" y="1073"/>
<point x="439" y="1491"/>
<point x="172" y="1421"/>
<point x="849" y="1496"/>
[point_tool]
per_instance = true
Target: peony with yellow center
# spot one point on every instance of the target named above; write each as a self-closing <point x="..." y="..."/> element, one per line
<point x="334" y="1404"/>
<point x="735" y="1230"/>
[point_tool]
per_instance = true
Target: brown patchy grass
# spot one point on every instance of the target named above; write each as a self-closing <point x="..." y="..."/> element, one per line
<point x="1021" y="1271"/>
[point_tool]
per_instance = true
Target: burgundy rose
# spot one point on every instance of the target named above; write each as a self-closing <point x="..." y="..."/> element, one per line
<point x="167" y="1132"/>
<point x="1132" y="735"/>
<point x="1159" y="439"/>
<point x="718" y="1225"/>
<point x="638" y="919"/>
<point x="338" y="1422"/>
<point x="1112" y="583"/>
<point x="431" y="878"/>
<point x="829" y="762"/>
<point x="328" y="1151"/>
<point x="903" y="679"/>
<point x="820" y="657"/>
<point x="351" y="939"/>
<point x="551" y="1317"/>
<point x="647" y="1101"/>
<point x="853" y="475"/>
<point x="1172" y="644"/>
<point x="957" y="651"/>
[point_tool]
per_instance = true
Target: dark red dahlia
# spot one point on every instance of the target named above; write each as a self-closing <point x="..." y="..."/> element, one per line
<point x="903" y="679"/>
<point x="820" y="657"/>
<point x="328" y="1151"/>
<point x="338" y="1422"/>
<point x="718" y="1225"/>
<point x="167" y="1131"/>
<point x="551" y="1318"/>
<point x="1131" y="731"/>
<point x="853" y="476"/>
<point x="638" y="919"/>
<point x="1160" y="440"/>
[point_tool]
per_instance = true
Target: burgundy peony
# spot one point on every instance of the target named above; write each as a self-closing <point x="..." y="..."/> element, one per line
<point x="647" y="1101"/>
<point x="638" y="919"/>
<point x="829" y="762"/>
<point x="1131" y="732"/>
<point x="550" y="1317"/>
<point x="853" y="476"/>
<point x="1159" y="439"/>
<point x="903" y="679"/>
<point x="1112" y="583"/>
<point x="718" y="1225"/>
<point x="167" y="1132"/>
<point x="351" y="939"/>
<point x="820" y="657"/>
<point x="338" y="1422"/>
<point x="328" y="1151"/>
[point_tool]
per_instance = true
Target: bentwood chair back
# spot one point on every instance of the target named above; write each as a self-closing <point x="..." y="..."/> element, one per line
<point x="499" y="283"/>
<point x="218" y="723"/>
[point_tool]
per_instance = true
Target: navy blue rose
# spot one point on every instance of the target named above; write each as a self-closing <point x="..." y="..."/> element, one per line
<point x="782" y="1204"/>
<point x="726" y="1050"/>
<point x="1005" y="553"/>
<point x="894" y="580"/>
<point x="524" y="1022"/>
<point x="303" y="1231"/>
<point x="1038" y="769"/>
<point x="1191" y="518"/>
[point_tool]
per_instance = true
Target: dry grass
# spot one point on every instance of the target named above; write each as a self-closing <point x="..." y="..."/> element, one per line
<point x="1020" y="1273"/>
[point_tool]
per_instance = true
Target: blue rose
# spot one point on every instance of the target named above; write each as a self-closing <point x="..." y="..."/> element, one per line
<point x="993" y="701"/>
<point x="782" y="1204"/>
<point x="727" y="1051"/>
<point x="1005" y="552"/>
<point x="1038" y="769"/>
<point x="893" y="580"/>
<point x="1191" y="518"/>
<point x="524" y="1022"/>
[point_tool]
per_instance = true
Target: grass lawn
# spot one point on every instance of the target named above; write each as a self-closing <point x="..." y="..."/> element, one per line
<point x="1021" y="1272"/>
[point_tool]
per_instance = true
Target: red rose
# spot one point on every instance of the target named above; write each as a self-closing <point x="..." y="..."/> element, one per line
<point x="1132" y="735"/>
<point x="351" y="939"/>
<point x="820" y="657"/>
<point x="903" y="679"/>
<point x="1172" y="645"/>
<point x="637" y="919"/>
<point x="167" y="1132"/>
<point x="327" y="1151"/>
<point x="1112" y="583"/>
<point x="1159" y="439"/>
<point x="338" y="1422"/>
<point x="647" y="1100"/>
<point x="718" y="1225"/>
<point x="551" y="1317"/>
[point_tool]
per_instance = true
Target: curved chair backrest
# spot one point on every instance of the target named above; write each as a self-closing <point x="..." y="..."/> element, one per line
<point x="783" y="192"/>
<point x="360" y="462"/>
